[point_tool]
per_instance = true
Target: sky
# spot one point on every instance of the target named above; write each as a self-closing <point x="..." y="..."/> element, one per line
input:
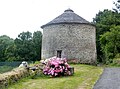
<point x="17" y="16"/>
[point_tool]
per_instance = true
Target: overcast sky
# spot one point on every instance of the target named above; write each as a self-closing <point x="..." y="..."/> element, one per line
<point x="17" y="16"/>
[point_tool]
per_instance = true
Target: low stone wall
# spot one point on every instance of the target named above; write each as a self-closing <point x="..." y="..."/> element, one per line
<point x="12" y="76"/>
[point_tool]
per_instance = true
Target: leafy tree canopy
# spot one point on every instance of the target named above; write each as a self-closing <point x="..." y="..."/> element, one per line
<point x="28" y="46"/>
<point x="24" y="48"/>
<point x="110" y="43"/>
<point x="37" y="40"/>
<point x="104" y="21"/>
<point x="5" y="41"/>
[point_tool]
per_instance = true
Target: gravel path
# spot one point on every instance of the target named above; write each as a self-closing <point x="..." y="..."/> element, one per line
<point x="110" y="79"/>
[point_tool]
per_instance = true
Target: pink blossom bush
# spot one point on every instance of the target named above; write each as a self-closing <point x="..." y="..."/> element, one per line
<point x="56" y="67"/>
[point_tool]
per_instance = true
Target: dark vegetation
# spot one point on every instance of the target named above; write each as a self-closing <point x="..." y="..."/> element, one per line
<point x="108" y="34"/>
<point x="26" y="47"/>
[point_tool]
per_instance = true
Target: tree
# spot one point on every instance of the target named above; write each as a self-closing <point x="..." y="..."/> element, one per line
<point x="28" y="47"/>
<point x="5" y="41"/>
<point x="110" y="43"/>
<point x="24" y="44"/>
<point x="104" y="20"/>
<point x="37" y="40"/>
<point x="24" y="48"/>
<point x="10" y="53"/>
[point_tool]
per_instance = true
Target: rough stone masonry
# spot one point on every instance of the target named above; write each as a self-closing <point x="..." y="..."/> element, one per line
<point x="70" y="36"/>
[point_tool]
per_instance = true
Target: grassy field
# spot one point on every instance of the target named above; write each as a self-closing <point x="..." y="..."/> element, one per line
<point x="84" y="78"/>
<point x="5" y="68"/>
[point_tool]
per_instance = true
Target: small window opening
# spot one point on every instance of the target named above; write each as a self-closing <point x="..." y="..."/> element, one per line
<point x="59" y="52"/>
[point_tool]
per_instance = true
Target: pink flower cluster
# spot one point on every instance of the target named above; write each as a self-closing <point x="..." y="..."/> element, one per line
<point x="56" y="67"/>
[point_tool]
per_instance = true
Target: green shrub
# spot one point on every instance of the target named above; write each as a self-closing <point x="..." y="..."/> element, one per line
<point x="116" y="62"/>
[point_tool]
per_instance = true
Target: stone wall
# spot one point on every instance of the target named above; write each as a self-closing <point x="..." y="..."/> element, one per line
<point x="13" y="76"/>
<point x="77" y="41"/>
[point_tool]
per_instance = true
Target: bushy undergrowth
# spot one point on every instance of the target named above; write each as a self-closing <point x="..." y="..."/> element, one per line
<point x="115" y="63"/>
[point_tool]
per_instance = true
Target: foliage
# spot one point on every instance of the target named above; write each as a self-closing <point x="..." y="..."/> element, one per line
<point x="115" y="63"/>
<point x="56" y="67"/>
<point x="10" y="53"/>
<point x="24" y="48"/>
<point x="82" y="79"/>
<point x="5" y="42"/>
<point x="28" y="47"/>
<point x="104" y="21"/>
<point x="110" y="43"/>
<point x="37" y="40"/>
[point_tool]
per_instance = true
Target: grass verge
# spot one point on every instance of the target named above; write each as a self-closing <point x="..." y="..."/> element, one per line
<point x="84" y="78"/>
<point x="5" y="69"/>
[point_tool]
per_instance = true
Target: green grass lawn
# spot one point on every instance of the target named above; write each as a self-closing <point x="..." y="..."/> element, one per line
<point x="84" y="77"/>
<point x="5" y="68"/>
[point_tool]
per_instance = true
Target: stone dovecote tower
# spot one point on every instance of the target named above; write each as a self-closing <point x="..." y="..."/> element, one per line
<point x="70" y="36"/>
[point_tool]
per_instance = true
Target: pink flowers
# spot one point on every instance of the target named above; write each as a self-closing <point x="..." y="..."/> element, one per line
<point x="56" y="67"/>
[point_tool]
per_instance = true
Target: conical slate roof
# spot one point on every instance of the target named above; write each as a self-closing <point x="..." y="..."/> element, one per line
<point x="66" y="18"/>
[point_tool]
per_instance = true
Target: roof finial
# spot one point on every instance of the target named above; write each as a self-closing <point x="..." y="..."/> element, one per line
<point x="69" y="10"/>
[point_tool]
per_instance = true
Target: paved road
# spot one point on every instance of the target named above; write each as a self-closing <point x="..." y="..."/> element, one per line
<point x="110" y="79"/>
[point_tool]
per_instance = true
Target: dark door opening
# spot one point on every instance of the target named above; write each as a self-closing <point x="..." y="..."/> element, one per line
<point x="59" y="52"/>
